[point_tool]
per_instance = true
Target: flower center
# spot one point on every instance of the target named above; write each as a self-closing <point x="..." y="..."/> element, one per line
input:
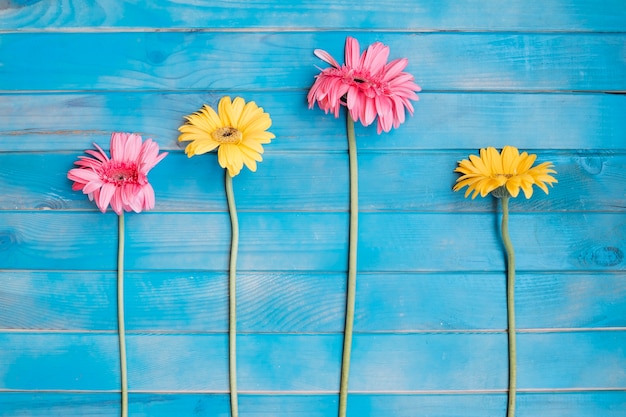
<point x="227" y="135"/>
<point x="503" y="175"/>
<point x="120" y="173"/>
<point x="369" y="85"/>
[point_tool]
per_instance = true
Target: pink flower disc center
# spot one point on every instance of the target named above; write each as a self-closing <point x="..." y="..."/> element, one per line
<point x="370" y="86"/>
<point x="120" y="173"/>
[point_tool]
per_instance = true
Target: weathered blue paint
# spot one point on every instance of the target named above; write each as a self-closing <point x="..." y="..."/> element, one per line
<point x="430" y="336"/>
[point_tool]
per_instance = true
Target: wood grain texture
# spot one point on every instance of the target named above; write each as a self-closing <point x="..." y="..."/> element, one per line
<point x="390" y="181"/>
<point x="310" y="362"/>
<point x="395" y="242"/>
<point x="576" y="404"/>
<point x="200" y="61"/>
<point x="569" y="15"/>
<point x="314" y="302"/>
<point x="547" y="77"/>
<point x="73" y="121"/>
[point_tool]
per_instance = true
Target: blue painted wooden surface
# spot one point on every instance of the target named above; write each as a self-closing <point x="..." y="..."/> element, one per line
<point x="548" y="77"/>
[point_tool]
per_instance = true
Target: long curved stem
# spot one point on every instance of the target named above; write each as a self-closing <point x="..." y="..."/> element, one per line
<point x="120" y="314"/>
<point x="510" y="301"/>
<point x="352" y="257"/>
<point x="232" y="291"/>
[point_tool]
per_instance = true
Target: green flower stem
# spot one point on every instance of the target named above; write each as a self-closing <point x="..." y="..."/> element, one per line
<point x="120" y="314"/>
<point x="352" y="252"/>
<point x="510" y="301"/>
<point x="232" y="290"/>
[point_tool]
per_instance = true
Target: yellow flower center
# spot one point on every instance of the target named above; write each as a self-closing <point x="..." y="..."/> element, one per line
<point x="227" y="135"/>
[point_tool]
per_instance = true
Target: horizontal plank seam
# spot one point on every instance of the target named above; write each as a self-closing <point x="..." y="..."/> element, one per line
<point x="151" y="332"/>
<point x="292" y="29"/>
<point x="618" y="210"/>
<point x="597" y="271"/>
<point x="180" y="151"/>
<point x="288" y="90"/>
<point x="617" y="91"/>
<point x="327" y="392"/>
<point x="317" y="273"/>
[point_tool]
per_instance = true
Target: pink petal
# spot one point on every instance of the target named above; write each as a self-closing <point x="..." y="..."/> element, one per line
<point x="78" y="186"/>
<point x="352" y="52"/>
<point x="100" y="155"/>
<point x="107" y="193"/>
<point x="116" y="202"/>
<point x="395" y="67"/>
<point x="148" y="193"/>
<point x="148" y="156"/>
<point x="370" y="112"/>
<point x="82" y="175"/>
<point x="92" y="186"/>
<point x="117" y="145"/>
<point x="325" y="56"/>
<point x="86" y="162"/>
<point x="132" y="147"/>
<point x="375" y="58"/>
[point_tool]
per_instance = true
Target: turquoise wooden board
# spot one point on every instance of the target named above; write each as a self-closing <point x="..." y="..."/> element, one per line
<point x="274" y="15"/>
<point x="576" y="404"/>
<point x="390" y="181"/>
<point x="281" y="363"/>
<point x="199" y="61"/>
<point x="73" y="121"/>
<point x="76" y="360"/>
<point x="312" y="241"/>
<point x="547" y="77"/>
<point x="289" y="302"/>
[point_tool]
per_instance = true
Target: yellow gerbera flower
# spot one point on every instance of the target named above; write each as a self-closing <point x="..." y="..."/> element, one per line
<point x="509" y="170"/>
<point x="238" y="131"/>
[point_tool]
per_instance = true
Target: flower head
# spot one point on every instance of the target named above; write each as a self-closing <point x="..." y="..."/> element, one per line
<point x="238" y="131"/>
<point x="509" y="170"/>
<point x="122" y="179"/>
<point x="366" y="84"/>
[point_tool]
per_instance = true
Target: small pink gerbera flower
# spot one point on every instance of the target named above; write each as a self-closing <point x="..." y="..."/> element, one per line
<point x="366" y="84"/>
<point x="122" y="179"/>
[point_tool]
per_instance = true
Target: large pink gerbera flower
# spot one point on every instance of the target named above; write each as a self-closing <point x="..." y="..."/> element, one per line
<point x="122" y="179"/>
<point x="366" y="84"/>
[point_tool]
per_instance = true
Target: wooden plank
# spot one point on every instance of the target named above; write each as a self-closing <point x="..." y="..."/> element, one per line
<point x="309" y="363"/>
<point x="576" y="404"/>
<point x="402" y="242"/>
<point x="394" y="242"/>
<point x="42" y="300"/>
<point x="41" y="404"/>
<point x="89" y="243"/>
<point x="390" y="181"/>
<point x="199" y="61"/>
<point x="64" y="361"/>
<point x="315" y="302"/>
<point x="57" y="121"/>
<point x="569" y="15"/>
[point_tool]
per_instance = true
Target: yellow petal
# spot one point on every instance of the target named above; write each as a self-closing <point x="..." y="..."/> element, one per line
<point x="510" y="157"/>
<point x="495" y="161"/>
<point x="263" y="137"/>
<point x="478" y="163"/>
<point x="527" y="188"/>
<point x="252" y="144"/>
<point x="513" y="186"/>
<point x="526" y="161"/>
<point x="230" y="111"/>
